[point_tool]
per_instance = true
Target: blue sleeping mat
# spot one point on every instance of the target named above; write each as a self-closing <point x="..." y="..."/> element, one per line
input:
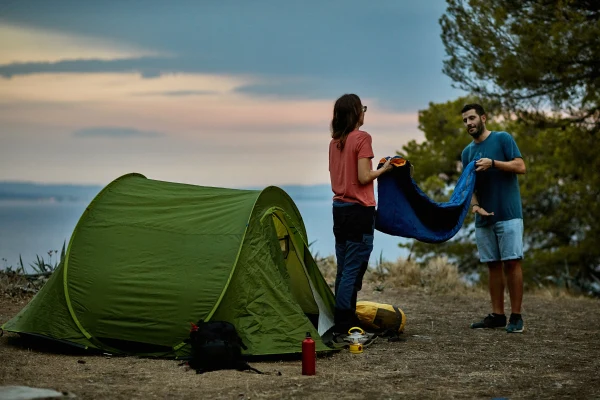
<point x="405" y="210"/>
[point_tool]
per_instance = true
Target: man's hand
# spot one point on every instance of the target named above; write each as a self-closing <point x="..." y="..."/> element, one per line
<point x="481" y="211"/>
<point x="483" y="164"/>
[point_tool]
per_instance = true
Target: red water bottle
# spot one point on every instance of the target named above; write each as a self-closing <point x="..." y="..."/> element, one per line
<point x="309" y="355"/>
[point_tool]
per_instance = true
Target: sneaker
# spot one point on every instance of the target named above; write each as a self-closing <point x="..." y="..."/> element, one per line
<point x="338" y="341"/>
<point x="492" y="321"/>
<point x="341" y="340"/>
<point x="515" y="326"/>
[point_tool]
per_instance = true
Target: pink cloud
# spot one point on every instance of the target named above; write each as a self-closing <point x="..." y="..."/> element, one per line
<point x="40" y="114"/>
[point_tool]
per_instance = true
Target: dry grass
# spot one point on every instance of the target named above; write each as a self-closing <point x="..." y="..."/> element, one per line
<point x="328" y="268"/>
<point x="440" y="358"/>
<point x="436" y="276"/>
<point x="13" y="285"/>
<point x="554" y="292"/>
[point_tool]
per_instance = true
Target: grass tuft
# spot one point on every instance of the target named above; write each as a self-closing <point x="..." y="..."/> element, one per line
<point x="438" y="275"/>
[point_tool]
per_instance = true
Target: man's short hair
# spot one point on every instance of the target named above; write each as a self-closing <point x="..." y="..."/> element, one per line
<point x="474" y="106"/>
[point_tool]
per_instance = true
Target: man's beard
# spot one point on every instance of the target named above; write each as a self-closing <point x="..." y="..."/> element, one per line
<point x="478" y="131"/>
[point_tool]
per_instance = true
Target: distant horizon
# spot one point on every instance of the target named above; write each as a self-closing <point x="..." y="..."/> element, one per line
<point x="35" y="218"/>
<point x="16" y="192"/>
<point x="76" y="184"/>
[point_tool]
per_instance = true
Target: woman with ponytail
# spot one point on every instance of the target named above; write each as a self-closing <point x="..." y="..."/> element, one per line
<point x="352" y="175"/>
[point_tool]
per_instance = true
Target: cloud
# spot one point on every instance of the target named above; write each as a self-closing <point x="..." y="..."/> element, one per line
<point x="390" y="50"/>
<point x="148" y="67"/>
<point x="295" y="89"/>
<point x="403" y="89"/>
<point x="178" y="93"/>
<point x="115" y="132"/>
<point x="30" y="44"/>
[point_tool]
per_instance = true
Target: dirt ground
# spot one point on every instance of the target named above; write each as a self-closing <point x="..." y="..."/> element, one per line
<point x="558" y="356"/>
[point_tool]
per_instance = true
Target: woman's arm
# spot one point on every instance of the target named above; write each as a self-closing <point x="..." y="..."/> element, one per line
<point x="366" y="174"/>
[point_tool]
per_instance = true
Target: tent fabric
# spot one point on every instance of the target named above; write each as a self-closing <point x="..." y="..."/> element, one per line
<point x="405" y="210"/>
<point x="148" y="257"/>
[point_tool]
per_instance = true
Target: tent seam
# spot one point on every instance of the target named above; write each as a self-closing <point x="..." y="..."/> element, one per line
<point x="237" y="257"/>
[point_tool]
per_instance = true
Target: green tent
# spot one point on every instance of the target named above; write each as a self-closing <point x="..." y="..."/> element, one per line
<point x="148" y="257"/>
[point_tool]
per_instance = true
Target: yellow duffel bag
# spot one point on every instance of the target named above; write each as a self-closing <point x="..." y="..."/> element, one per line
<point x="380" y="317"/>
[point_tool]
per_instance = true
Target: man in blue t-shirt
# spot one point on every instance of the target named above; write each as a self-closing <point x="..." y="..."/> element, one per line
<point x="496" y="204"/>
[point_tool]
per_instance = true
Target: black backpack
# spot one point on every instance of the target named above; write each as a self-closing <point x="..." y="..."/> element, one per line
<point x="216" y="345"/>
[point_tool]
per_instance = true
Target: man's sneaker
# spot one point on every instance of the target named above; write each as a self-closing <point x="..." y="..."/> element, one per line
<point x="515" y="325"/>
<point x="491" y="321"/>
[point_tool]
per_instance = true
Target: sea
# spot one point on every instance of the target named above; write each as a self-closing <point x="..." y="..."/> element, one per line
<point x="31" y="228"/>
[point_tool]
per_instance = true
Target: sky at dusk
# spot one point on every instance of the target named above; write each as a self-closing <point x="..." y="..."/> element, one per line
<point x="224" y="93"/>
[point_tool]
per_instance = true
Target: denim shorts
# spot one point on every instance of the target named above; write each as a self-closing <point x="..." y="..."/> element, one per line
<point x="501" y="241"/>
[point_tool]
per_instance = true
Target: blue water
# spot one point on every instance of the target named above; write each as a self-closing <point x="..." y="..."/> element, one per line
<point x="33" y="228"/>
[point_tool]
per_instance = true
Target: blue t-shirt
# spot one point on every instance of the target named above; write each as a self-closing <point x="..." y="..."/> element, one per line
<point x="497" y="191"/>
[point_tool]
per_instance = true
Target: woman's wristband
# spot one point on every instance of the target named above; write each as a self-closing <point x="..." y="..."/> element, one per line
<point x="473" y="205"/>
<point x="493" y="164"/>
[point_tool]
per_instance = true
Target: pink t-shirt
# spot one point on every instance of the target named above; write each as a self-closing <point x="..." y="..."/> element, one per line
<point x="343" y="169"/>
